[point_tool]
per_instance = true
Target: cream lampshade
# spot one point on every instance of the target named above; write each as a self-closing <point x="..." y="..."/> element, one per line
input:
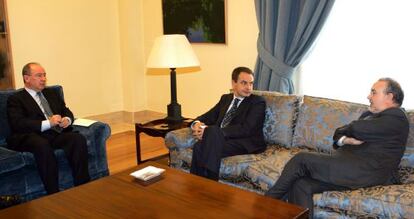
<point x="172" y="51"/>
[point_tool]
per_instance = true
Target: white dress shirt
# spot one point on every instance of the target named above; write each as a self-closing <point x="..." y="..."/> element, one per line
<point x="232" y="102"/>
<point x="45" y="123"/>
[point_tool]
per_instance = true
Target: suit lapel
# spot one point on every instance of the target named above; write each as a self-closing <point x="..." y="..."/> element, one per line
<point x="223" y="109"/>
<point x="31" y="103"/>
<point x="50" y="101"/>
<point x="243" y="105"/>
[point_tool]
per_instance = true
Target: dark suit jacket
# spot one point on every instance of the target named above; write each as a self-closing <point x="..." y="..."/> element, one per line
<point x="247" y="124"/>
<point x="384" y="135"/>
<point x="25" y="116"/>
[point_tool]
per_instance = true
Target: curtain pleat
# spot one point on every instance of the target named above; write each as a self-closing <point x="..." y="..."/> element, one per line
<point x="287" y="30"/>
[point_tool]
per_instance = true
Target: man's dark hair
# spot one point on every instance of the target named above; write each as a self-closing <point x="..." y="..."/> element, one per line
<point x="238" y="70"/>
<point x="394" y="87"/>
<point x="27" y="68"/>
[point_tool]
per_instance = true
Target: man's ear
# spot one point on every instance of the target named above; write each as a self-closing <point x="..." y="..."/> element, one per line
<point x="25" y="78"/>
<point x="390" y="97"/>
<point x="233" y="83"/>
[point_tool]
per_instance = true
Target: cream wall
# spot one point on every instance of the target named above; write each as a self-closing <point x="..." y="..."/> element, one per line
<point x="132" y="55"/>
<point x="198" y="92"/>
<point x="78" y="43"/>
<point x="97" y="50"/>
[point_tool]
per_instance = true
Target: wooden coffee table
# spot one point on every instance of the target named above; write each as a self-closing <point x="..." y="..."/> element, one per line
<point x="175" y="195"/>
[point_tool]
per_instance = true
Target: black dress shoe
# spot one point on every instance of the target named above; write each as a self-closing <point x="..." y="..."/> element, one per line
<point x="212" y="175"/>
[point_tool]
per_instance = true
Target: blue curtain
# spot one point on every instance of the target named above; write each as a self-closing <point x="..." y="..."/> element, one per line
<point x="287" y="29"/>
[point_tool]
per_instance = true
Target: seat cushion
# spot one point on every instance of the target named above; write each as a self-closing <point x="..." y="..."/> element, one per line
<point x="394" y="201"/>
<point x="320" y="117"/>
<point x="10" y="160"/>
<point x="265" y="172"/>
<point x="233" y="168"/>
<point x="406" y="174"/>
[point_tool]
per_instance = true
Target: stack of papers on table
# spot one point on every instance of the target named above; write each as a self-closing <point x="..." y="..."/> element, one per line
<point x="83" y="122"/>
<point x="147" y="173"/>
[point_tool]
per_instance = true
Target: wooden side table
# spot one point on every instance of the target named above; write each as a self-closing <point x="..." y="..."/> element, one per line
<point x="156" y="128"/>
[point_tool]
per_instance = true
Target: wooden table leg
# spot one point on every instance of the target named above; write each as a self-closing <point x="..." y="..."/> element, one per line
<point x="138" y="145"/>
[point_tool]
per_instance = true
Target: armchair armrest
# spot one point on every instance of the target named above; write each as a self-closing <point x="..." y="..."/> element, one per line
<point x="10" y="160"/>
<point x="96" y="136"/>
<point x="179" y="139"/>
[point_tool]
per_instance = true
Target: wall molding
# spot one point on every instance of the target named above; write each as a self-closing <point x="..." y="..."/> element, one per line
<point x="122" y="121"/>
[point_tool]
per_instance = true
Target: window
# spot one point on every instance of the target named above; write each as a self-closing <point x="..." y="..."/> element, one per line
<point x="361" y="42"/>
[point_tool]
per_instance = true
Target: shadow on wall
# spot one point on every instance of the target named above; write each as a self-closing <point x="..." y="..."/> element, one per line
<point x="165" y="71"/>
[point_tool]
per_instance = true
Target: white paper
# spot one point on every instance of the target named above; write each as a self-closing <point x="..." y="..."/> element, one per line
<point x="147" y="173"/>
<point x="83" y="122"/>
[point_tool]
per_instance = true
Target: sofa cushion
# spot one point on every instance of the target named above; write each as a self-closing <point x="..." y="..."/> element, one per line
<point x="265" y="172"/>
<point x="394" y="201"/>
<point x="318" y="119"/>
<point x="281" y="112"/>
<point x="10" y="160"/>
<point x="231" y="168"/>
<point x="408" y="158"/>
<point x="406" y="174"/>
<point x="234" y="167"/>
<point x="327" y="213"/>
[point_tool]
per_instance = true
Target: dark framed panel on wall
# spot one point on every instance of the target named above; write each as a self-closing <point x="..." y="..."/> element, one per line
<point x="6" y="67"/>
<point x="202" y="21"/>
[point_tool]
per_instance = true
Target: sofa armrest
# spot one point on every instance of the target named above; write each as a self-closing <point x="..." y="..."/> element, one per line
<point x="393" y="201"/>
<point x="96" y="136"/>
<point x="179" y="139"/>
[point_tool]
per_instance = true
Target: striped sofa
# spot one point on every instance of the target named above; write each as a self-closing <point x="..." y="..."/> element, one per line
<point x="297" y="123"/>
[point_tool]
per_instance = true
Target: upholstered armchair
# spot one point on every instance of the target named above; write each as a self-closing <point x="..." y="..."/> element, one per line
<point x="18" y="172"/>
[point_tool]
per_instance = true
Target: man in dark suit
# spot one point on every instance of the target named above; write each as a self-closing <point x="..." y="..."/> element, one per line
<point x="368" y="152"/>
<point x="41" y="122"/>
<point x="233" y="126"/>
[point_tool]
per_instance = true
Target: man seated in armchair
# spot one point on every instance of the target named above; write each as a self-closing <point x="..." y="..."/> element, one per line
<point x="41" y="122"/>
<point x="368" y="152"/>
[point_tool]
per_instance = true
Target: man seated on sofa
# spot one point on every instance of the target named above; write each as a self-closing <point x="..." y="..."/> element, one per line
<point x="368" y="152"/>
<point x="41" y="122"/>
<point x="233" y="126"/>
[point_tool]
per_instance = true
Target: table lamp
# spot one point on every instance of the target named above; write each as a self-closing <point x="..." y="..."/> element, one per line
<point x="172" y="51"/>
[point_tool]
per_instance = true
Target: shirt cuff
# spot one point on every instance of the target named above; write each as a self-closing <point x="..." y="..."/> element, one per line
<point x="45" y="125"/>
<point x="70" y="120"/>
<point x="340" y="142"/>
<point x="196" y="121"/>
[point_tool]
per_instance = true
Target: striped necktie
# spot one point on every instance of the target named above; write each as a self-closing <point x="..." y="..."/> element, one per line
<point x="48" y="111"/>
<point x="230" y="114"/>
<point x="45" y="105"/>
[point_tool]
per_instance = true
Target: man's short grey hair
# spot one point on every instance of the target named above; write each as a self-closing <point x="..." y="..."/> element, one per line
<point x="27" y="68"/>
<point x="395" y="89"/>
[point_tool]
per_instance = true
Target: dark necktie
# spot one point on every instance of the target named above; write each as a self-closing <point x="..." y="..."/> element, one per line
<point x="47" y="110"/>
<point x="230" y="114"/>
<point x="45" y="105"/>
